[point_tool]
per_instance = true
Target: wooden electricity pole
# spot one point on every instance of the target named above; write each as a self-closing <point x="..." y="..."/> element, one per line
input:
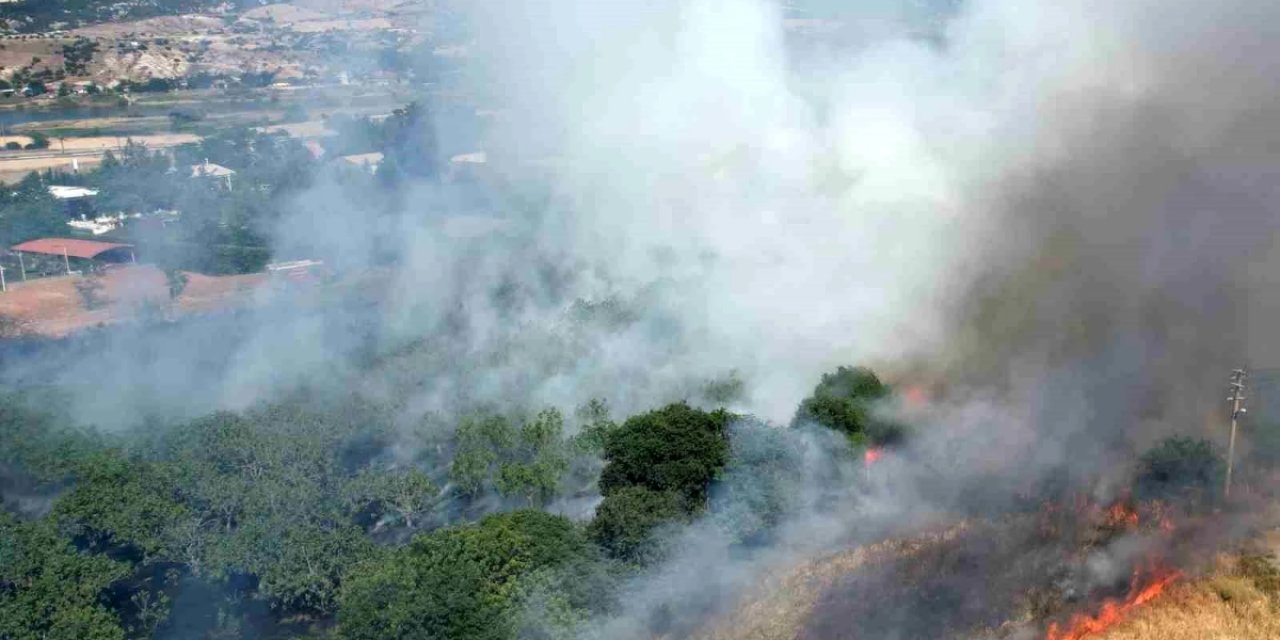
<point x="1237" y="389"/>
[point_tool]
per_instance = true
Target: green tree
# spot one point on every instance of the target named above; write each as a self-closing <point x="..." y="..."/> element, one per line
<point x="404" y="493"/>
<point x="677" y="448"/>
<point x="38" y="445"/>
<point x="116" y="503"/>
<point x="90" y="289"/>
<point x="479" y="441"/>
<point x="38" y="141"/>
<point x="1180" y="467"/>
<point x="29" y="211"/>
<point x="461" y="583"/>
<point x="528" y="462"/>
<point x="537" y="462"/>
<point x="410" y="141"/>
<point x="1265" y="440"/>
<point x="176" y="280"/>
<point x="269" y="499"/>
<point x="759" y="483"/>
<point x="627" y="522"/>
<point x="595" y="427"/>
<point x="843" y="401"/>
<point x="724" y="390"/>
<point x="48" y="591"/>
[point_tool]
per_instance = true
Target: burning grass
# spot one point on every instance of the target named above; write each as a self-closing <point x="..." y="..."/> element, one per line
<point x="1069" y="571"/>
<point x="1240" y="600"/>
<point x="1145" y="587"/>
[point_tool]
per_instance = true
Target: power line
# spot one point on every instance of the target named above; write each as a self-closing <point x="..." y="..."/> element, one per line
<point x="1237" y="397"/>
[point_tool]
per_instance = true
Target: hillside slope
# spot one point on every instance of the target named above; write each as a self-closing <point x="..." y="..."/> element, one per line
<point x="1237" y="599"/>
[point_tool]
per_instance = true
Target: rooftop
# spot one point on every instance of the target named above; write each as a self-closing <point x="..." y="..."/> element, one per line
<point x="72" y="247"/>
<point x="478" y="157"/>
<point x="69" y="193"/>
<point x="209" y="169"/>
<point x="361" y="159"/>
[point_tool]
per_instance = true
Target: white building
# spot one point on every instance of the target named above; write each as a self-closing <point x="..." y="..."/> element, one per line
<point x="210" y="170"/>
<point x="71" y="193"/>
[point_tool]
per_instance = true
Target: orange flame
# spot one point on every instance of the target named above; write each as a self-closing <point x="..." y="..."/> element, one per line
<point x="915" y="396"/>
<point x="1120" y="514"/>
<point x="1113" y="611"/>
<point x="870" y="456"/>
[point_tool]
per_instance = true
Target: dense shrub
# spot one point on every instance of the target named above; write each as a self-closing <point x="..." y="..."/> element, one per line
<point x="677" y="448"/>
<point x="1180" y="467"/>
<point x="843" y="401"/>
<point x="461" y="582"/>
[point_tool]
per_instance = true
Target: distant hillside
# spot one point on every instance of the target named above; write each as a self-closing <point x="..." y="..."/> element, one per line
<point x="36" y="16"/>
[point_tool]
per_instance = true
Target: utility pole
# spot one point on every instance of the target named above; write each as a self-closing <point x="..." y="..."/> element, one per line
<point x="1237" y="389"/>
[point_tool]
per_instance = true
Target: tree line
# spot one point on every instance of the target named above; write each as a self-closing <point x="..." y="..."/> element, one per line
<point x="298" y="519"/>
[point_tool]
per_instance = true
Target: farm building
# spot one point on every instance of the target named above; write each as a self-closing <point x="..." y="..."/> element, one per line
<point x="84" y="251"/>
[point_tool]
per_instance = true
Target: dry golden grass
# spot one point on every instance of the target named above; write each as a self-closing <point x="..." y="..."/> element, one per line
<point x="779" y="606"/>
<point x="14" y="170"/>
<point x="1219" y="608"/>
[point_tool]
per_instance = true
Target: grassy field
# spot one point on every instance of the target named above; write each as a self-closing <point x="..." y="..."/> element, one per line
<point x="1240" y="601"/>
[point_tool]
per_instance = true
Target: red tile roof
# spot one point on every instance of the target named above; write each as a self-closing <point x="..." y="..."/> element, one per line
<point x="70" y="246"/>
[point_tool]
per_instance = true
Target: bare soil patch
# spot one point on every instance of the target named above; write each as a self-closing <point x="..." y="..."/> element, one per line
<point x="53" y="307"/>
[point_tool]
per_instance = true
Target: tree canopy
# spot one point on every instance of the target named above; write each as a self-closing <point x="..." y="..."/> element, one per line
<point x="843" y="401"/>
<point x="460" y="582"/>
<point x="677" y="448"/>
<point x="1180" y="467"/>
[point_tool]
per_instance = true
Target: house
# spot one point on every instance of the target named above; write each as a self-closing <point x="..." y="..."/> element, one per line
<point x="476" y="157"/>
<point x="71" y="193"/>
<point x="368" y="161"/>
<point x="297" y="272"/>
<point x="314" y="148"/>
<point x="101" y="224"/>
<point x="215" y="171"/>
<point x="76" y="201"/>
<point x="467" y="166"/>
